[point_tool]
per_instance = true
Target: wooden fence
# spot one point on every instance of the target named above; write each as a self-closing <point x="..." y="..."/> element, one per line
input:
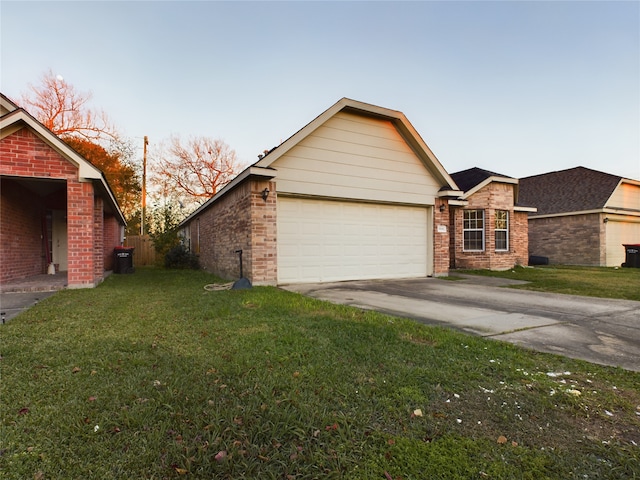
<point x="144" y="253"/>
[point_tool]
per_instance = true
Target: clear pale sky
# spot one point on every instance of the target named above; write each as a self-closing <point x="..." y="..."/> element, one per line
<point x="519" y="88"/>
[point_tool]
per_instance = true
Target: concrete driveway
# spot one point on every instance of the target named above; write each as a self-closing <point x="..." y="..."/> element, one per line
<point x="598" y="330"/>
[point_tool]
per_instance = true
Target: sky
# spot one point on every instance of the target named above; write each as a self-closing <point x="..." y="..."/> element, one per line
<point x="515" y="87"/>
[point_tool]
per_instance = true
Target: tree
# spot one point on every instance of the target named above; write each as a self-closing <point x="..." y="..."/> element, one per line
<point x="196" y="169"/>
<point x="65" y="111"/>
<point x="118" y="170"/>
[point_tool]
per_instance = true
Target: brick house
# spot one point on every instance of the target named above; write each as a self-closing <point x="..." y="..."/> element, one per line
<point x="488" y="225"/>
<point x="355" y="194"/>
<point x="56" y="208"/>
<point x="584" y="216"/>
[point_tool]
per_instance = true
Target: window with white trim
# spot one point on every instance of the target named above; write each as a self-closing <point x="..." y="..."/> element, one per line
<point x="502" y="231"/>
<point x="473" y="230"/>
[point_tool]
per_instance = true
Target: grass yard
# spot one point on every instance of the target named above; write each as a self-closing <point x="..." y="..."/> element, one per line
<point x="622" y="283"/>
<point x="150" y="376"/>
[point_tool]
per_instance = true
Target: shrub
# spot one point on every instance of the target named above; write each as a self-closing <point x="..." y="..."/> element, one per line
<point x="180" y="257"/>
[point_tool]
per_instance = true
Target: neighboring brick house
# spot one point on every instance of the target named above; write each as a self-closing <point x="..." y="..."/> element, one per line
<point x="488" y="225"/>
<point x="56" y="208"/>
<point x="355" y="194"/>
<point x="584" y="216"/>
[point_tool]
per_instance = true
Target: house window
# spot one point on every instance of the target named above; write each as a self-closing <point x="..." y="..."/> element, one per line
<point x="473" y="230"/>
<point x="502" y="231"/>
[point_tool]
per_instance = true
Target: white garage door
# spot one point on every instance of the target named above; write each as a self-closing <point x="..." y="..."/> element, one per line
<point x="323" y="241"/>
<point x="619" y="233"/>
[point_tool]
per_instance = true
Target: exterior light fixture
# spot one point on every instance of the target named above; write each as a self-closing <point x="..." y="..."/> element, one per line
<point x="265" y="194"/>
<point x="442" y="208"/>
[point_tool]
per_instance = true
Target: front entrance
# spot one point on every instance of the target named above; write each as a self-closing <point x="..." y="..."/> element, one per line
<point x="59" y="240"/>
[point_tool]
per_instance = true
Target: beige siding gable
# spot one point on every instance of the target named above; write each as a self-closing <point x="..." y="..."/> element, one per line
<point x="626" y="196"/>
<point x="356" y="157"/>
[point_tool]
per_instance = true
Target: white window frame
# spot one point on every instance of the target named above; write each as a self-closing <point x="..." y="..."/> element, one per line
<point x="505" y="230"/>
<point x="471" y="225"/>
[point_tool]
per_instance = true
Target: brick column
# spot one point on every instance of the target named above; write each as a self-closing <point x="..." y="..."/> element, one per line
<point x="441" y="239"/>
<point x="80" y="232"/>
<point x="98" y="240"/>
<point x="263" y="255"/>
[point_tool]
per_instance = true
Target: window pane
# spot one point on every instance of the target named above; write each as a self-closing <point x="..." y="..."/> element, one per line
<point x="502" y="230"/>
<point x="473" y="230"/>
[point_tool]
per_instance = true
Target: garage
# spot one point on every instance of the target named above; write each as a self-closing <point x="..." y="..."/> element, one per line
<point x="325" y="240"/>
<point x="355" y="194"/>
<point x="620" y="230"/>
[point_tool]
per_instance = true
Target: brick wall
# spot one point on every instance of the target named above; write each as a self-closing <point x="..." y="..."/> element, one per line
<point x="21" y="245"/>
<point x="495" y="196"/>
<point x="263" y="258"/>
<point x="570" y="240"/>
<point x="240" y="220"/>
<point x="441" y="240"/>
<point x="23" y="154"/>
<point x="80" y="233"/>
<point x="111" y="238"/>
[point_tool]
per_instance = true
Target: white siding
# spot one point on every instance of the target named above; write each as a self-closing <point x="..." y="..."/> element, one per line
<point x="356" y="157"/>
<point x="625" y="196"/>
<point x="620" y="231"/>
<point x="323" y="241"/>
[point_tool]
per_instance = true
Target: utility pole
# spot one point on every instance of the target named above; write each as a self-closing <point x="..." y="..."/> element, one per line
<point x="144" y="185"/>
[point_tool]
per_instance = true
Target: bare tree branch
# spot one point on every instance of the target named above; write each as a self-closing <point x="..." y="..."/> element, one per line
<point x="197" y="168"/>
<point x="65" y="111"/>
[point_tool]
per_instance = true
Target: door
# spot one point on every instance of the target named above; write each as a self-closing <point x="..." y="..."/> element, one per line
<point x="59" y="241"/>
<point x="323" y="241"/>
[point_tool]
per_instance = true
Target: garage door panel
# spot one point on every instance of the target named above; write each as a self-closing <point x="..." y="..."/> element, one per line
<point x="331" y="241"/>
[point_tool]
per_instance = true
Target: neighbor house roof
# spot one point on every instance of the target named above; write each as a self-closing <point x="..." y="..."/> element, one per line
<point x="474" y="179"/>
<point x="13" y="118"/>
<point x="577" y="189"/>
<point x="262" y="168"/>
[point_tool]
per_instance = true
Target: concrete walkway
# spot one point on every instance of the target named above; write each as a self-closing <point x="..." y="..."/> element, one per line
<point x="17" y="296"/>
<point x="603" y="331"/>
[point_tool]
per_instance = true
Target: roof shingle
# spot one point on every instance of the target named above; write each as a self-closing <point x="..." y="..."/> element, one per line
<point x="467" y="179"/>
<point x="573" y="190"/>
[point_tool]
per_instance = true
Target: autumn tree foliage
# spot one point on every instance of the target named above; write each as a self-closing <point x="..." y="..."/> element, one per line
<point x="119" y="172"/>
<point x="66" y="111"/>
<point x="195" y="169"/>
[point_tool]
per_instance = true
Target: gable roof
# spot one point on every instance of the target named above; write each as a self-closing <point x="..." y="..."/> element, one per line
<point x="399" y="121"/>
<point x="262" y="168"/>
<point x="472" y="177"/>
<point x="576" y="189"/>
<point x="17" y="118"/>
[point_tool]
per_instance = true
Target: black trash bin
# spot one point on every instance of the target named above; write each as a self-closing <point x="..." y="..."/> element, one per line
<point x="123" y="260"/>
<point x="632" y="258"/>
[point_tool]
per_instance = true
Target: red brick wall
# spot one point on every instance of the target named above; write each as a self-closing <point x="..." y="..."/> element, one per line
<point x="241" y="220"/>
<point x="441" y="239"/>
<point x="24" y="154"/>
<point x="22" y="250"/>
<point x="80" y="232"/>
<point x="98" y="240"/>
<point x="495" y="196"/>
<point x="111" y="238"/>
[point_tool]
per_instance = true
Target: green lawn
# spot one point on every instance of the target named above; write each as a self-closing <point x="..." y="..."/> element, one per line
<point x="623" y="283"/>
<point x="150" y="376"/>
